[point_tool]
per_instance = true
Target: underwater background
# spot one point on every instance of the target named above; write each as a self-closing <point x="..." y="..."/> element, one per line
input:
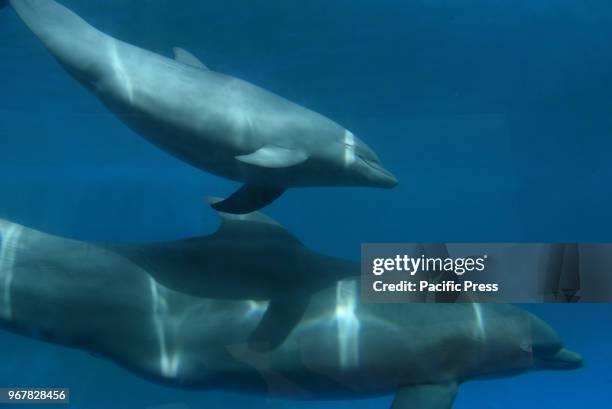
<point x="495" y="116"/>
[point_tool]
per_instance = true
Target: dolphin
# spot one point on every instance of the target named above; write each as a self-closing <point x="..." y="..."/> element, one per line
<point x="340" y="349"/>
<point x="213" y="121"/>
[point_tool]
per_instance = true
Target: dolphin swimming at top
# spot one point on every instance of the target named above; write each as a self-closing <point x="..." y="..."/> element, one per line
<point x="213" y="121"/>
<point x="91" y="297"/>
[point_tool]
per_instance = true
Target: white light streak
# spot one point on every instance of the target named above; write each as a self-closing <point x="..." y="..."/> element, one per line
<point x="9" y="239"/>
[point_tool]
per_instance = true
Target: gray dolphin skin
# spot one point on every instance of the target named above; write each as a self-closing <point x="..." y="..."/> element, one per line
<point x="340" y="349"/>
<point x="212" y="121"/>
<point x="249" y="257"/>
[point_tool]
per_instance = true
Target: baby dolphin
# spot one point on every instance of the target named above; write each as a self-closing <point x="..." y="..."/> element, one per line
<point x="213" y="121"/>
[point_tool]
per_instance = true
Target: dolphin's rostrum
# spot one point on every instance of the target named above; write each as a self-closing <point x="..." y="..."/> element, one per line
<point x="213" y="121"/>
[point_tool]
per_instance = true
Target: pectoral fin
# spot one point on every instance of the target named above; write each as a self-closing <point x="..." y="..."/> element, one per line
<point x="248" y="198"/>
<point x="271" y="156"/>
<point x="277" y="323"/>
<point x="183" y="56"/>
<point x="434" y="396"/>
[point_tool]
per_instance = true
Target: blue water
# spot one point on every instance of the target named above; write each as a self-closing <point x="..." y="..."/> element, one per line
<point x="495" y="116"/>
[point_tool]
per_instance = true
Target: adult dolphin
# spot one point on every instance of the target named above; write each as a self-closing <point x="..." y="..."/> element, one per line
<point x="341" y="349"/>
<point x="215" y="122"/>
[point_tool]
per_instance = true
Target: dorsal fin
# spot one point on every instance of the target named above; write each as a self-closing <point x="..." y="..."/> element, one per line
<point x="253" y="224"/>
<point x="183" y="56"/>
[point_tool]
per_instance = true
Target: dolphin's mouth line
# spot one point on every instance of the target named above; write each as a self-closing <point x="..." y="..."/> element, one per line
<point x="563" y="359"/>
<point x="378" y="168"/>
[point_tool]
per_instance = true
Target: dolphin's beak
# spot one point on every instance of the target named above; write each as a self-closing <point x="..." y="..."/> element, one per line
<point x="563" y="359"/>
<point x="383" y="178"/>
<point x="389" y="179"/>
